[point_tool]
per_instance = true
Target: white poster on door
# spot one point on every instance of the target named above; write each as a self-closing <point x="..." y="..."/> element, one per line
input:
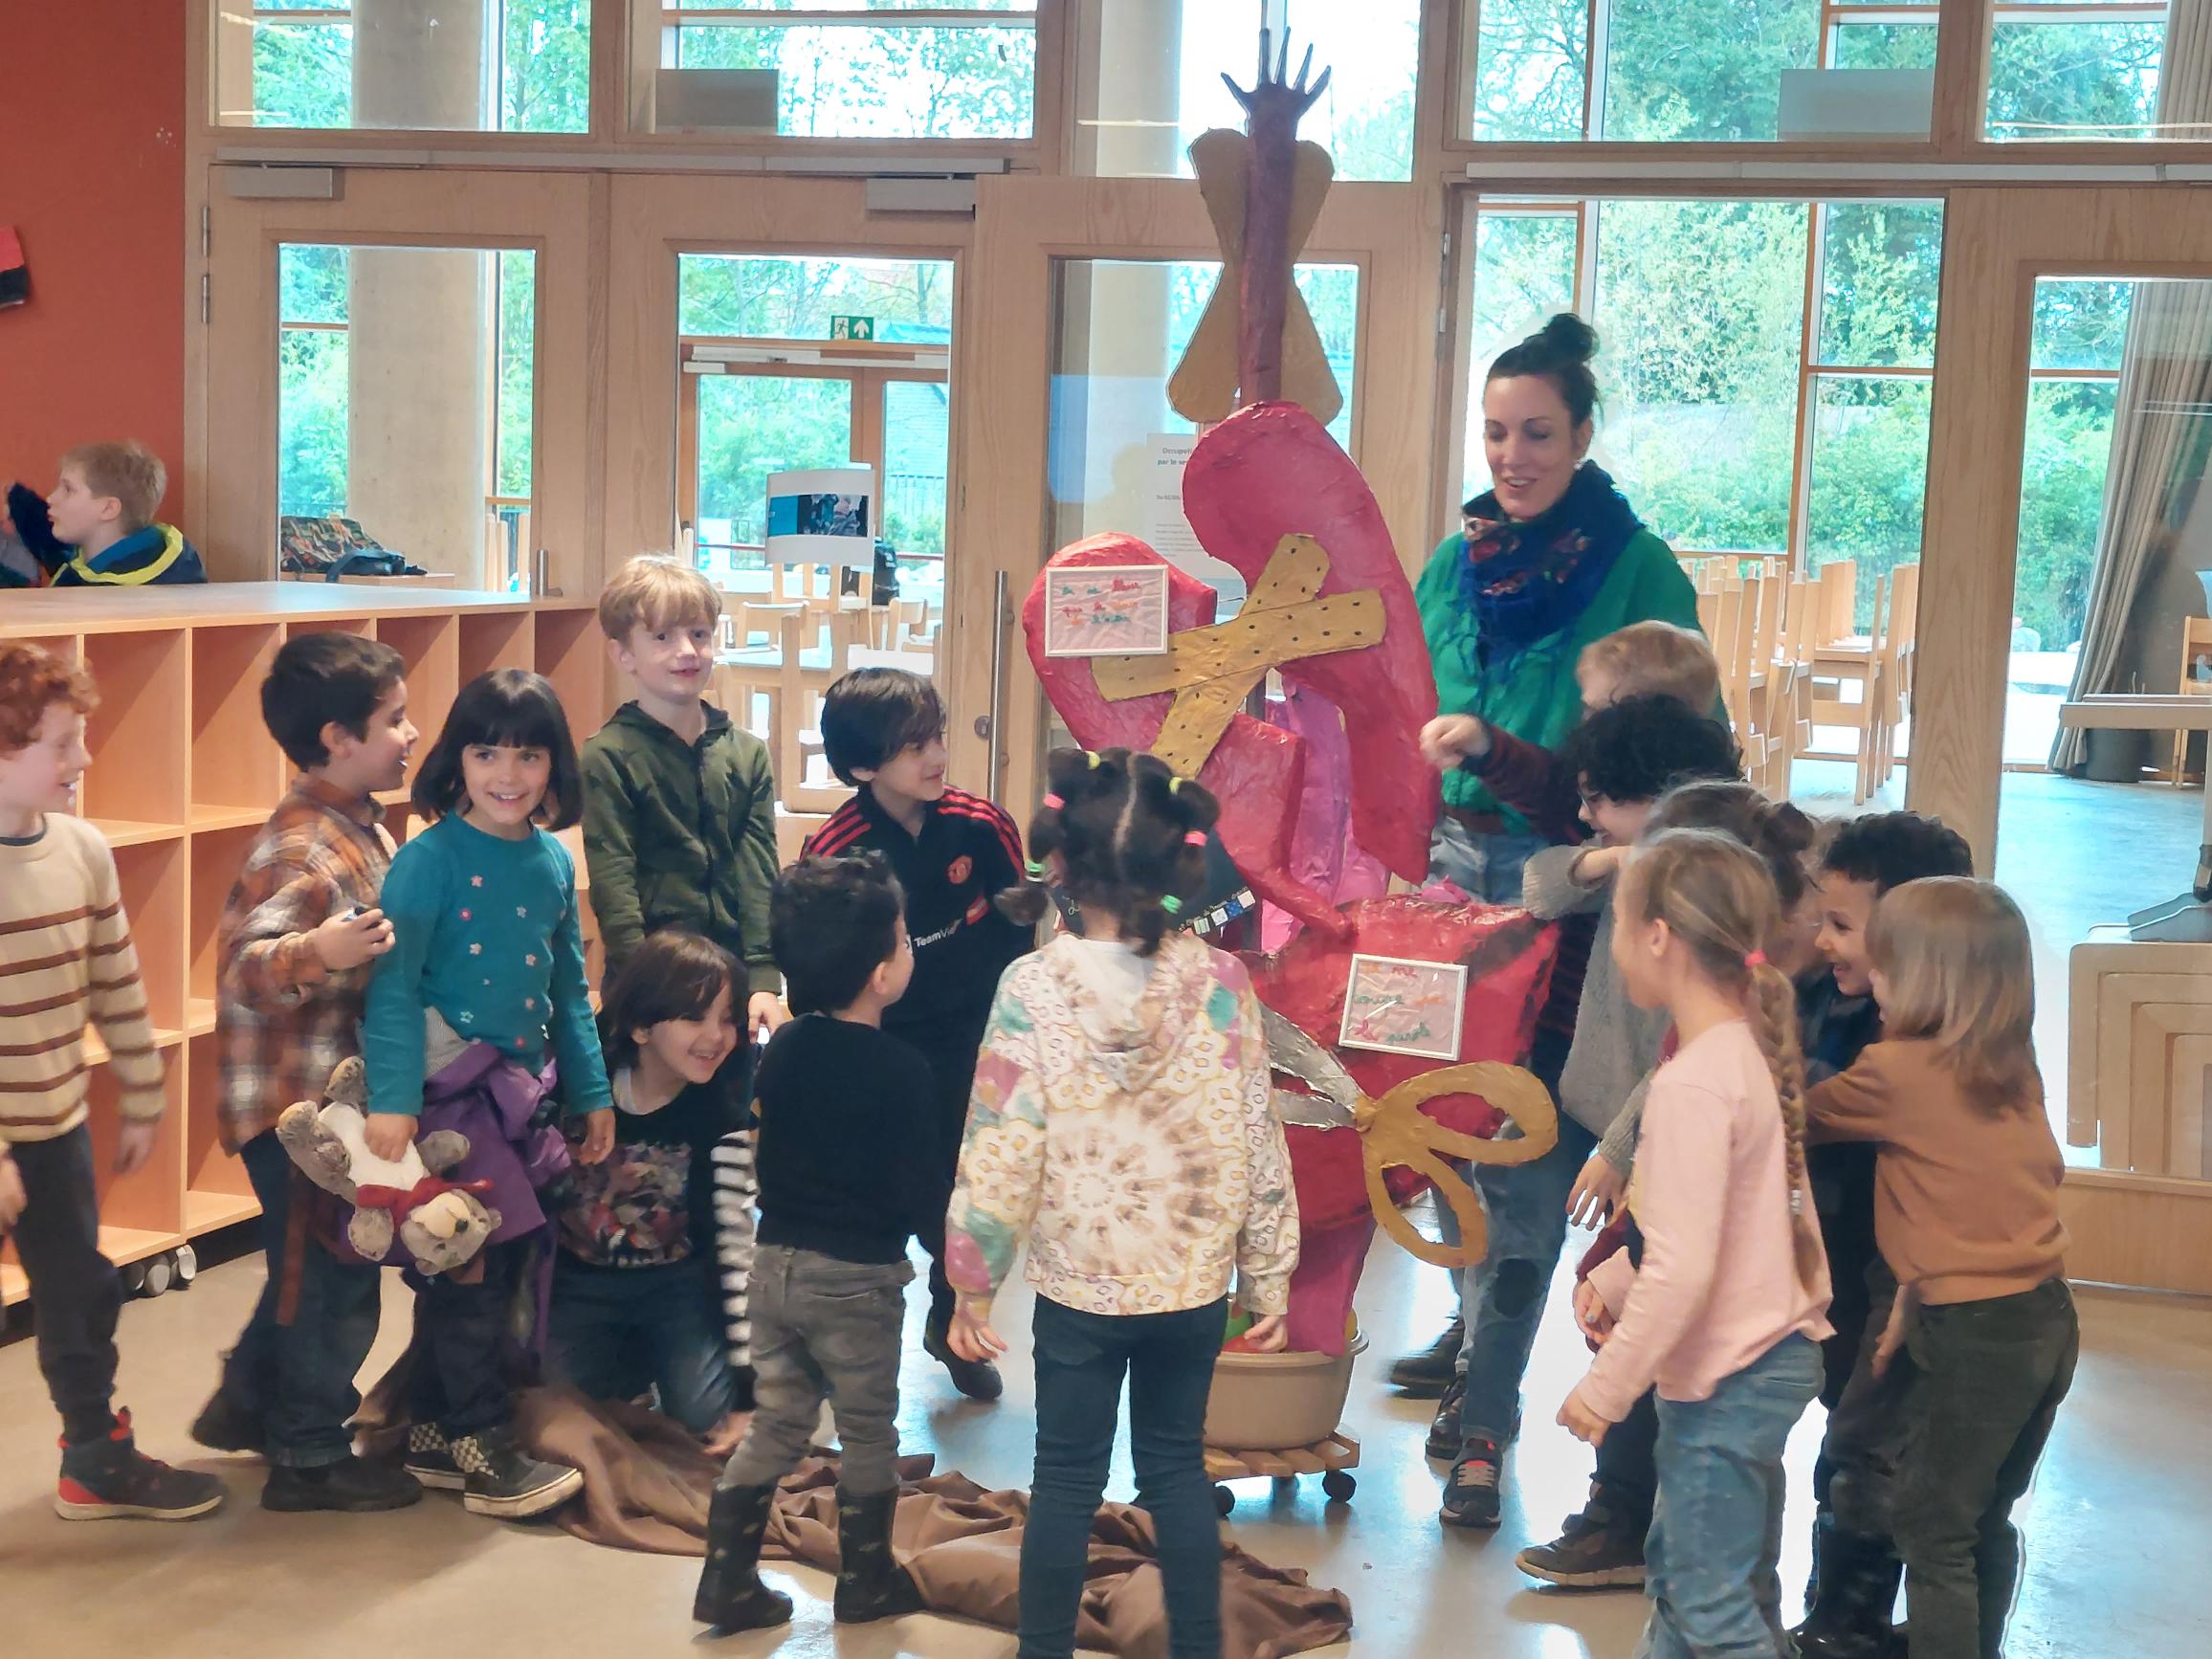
<point x="1167" y="529"/>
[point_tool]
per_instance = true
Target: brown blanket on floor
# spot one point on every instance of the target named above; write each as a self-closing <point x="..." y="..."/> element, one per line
<point x="646" y="1482"/>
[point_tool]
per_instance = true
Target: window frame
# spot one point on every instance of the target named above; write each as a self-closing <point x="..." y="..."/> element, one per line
<point x="868" y="368"/>
<point x="495" y="341"/>
<point x="1958" y="134"/>
<point x="624" y="44"/>
<point x="1584" y="207"/>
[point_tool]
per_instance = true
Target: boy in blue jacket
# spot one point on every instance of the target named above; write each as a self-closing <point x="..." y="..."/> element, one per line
<point x="98" y="529"/>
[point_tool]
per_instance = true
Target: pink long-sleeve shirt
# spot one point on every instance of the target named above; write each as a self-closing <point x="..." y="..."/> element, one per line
<point x="1718" y="1285"/>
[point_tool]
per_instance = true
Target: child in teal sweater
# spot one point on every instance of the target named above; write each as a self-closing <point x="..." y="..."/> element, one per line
<point x="487" y="949"/>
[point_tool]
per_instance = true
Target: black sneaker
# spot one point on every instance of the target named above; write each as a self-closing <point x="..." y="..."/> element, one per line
<point x="429" y="1459"/>
<point x="350" y="1486"/>
<point x="110" y="1479"/>
<point x="1470" y="1498"/>
<point x="976" y="1379"/>
<point x="505" y="1480"/>
<point x="1443" y="1427"/>
<point x="223" y="1424"/>
<point x="1594" y="1551"/>
<point x="1428" y="1373"/>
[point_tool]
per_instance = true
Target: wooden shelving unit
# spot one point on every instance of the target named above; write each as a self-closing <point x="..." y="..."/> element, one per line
<point x="183" y="774"/>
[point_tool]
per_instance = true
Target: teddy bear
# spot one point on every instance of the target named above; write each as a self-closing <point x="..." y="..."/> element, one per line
<point x="440" y="1224"/>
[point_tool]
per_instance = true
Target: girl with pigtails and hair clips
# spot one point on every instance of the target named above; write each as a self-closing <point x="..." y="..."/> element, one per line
<point x="1121" y="1127"/>
<point x="1721" y="1298"/>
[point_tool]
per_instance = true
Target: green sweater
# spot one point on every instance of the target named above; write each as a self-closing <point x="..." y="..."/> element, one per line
<point x="680" y="834"/>
<point x="1534" y="695"/>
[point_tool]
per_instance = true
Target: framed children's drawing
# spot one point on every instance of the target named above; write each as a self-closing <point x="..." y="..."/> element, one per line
<point x="1106" y="610"/>
<point x="1399" y="1007"/>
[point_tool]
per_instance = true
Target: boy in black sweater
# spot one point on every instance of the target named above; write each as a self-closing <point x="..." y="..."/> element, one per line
<point x="848" y="1172"/>
<point x="883" y="732"/>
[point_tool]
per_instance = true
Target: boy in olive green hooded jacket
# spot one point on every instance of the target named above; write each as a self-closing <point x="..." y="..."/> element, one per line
<point x="679" y="803"/>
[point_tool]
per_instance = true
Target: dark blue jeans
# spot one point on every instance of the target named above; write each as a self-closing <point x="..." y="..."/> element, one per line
<point x="1081" y="1359"/>
<point x="613" y="1332"/>
<point x="297" y="1373"/>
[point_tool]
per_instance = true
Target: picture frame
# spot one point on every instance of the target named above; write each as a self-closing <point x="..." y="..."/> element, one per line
<point x="1398" y="1006"/>
<point x="1106" y="610"/>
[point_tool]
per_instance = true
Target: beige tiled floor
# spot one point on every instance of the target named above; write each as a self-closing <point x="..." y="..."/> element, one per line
<point x="2119" y="1525"/>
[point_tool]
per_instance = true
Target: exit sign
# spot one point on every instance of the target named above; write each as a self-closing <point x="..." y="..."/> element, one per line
<point x="851" y="328"/>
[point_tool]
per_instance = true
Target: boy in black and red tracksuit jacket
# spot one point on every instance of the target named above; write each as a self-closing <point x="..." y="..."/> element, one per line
<point x="884" y="732"/>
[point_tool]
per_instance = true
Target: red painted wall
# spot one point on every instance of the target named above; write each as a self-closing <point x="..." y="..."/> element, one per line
<point x="92" y="174"/>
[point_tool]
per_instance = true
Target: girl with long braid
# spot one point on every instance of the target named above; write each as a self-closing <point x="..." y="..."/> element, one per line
<point x="1720" y="1299"/>
<point x="1122" y="1125"/>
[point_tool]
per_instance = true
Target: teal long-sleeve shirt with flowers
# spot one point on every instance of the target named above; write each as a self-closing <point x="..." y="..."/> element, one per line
<point x="485" y="930"/>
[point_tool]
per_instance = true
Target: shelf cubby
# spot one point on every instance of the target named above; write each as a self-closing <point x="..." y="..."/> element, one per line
<point x="570" y="653"/>
<point x="360" y="626"/>
<point x="216" y="858"/>
<point x="217" y="1190"/>
<point x="150" y="1200"/>
<point x="499" y="639"/>
<point x="138" y="735"/>
<point x="183" y="775"/>
<point x="154" y="886"/>
<point x="236" y="768"/>
<point x="65" y="646"/>
<point x="430" y="646"/>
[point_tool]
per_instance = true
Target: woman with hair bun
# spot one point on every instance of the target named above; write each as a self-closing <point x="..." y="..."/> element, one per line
<point x="1550" y="559"/>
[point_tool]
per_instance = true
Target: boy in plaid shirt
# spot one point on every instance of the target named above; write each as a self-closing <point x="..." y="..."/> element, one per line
<point x="294" y="950"/>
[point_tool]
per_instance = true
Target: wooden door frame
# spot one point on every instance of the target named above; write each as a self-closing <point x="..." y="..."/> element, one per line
<point x="233" y="374"/>
<point x="1996" y="243"/>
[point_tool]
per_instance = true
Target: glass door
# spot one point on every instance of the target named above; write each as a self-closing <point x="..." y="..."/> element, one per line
<point x="378" y="354"/>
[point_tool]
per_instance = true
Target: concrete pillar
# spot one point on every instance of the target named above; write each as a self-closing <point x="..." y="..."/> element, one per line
<point x="421" y="64"/>
<point x="419" y="318"/>
<point x="1128" y="110"/>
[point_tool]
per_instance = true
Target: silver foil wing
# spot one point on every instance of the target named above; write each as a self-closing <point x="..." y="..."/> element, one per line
<point x="1294" y="1054"/>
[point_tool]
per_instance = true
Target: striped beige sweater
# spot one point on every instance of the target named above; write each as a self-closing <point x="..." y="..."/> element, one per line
<point x="66" y="957"/>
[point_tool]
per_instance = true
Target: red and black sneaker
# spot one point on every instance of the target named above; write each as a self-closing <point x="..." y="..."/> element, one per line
<point x="110" y="1479"/>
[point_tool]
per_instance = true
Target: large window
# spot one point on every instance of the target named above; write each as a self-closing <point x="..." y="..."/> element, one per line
<point x="443" y="65"/>
<point x="1737" y="417"/>
<point x="1152" y="68"/>
<point x="2089" y="69"/>
<point x="879" y="68"/>
<point x="1650" y="70"/>
<point x="405" y="402"/>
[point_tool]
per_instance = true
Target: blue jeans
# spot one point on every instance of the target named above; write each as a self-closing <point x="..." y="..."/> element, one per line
<point x="295" y="1368"/>
<point x="1081" y="1359"/>
<point x="1504" y="1293"/>
<point x="613" y="1332"/>
<point x="1710" y="1557"/>
<point x="1484" y="867"/>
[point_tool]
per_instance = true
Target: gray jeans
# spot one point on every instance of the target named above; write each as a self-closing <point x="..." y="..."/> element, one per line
<point x="822" y="1329"/>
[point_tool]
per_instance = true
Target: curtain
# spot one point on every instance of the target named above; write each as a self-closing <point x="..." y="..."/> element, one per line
<point x="2165" y="390"/>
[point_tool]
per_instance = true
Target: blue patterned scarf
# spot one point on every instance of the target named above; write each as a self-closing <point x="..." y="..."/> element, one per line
<point x="1523" y="582"/>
